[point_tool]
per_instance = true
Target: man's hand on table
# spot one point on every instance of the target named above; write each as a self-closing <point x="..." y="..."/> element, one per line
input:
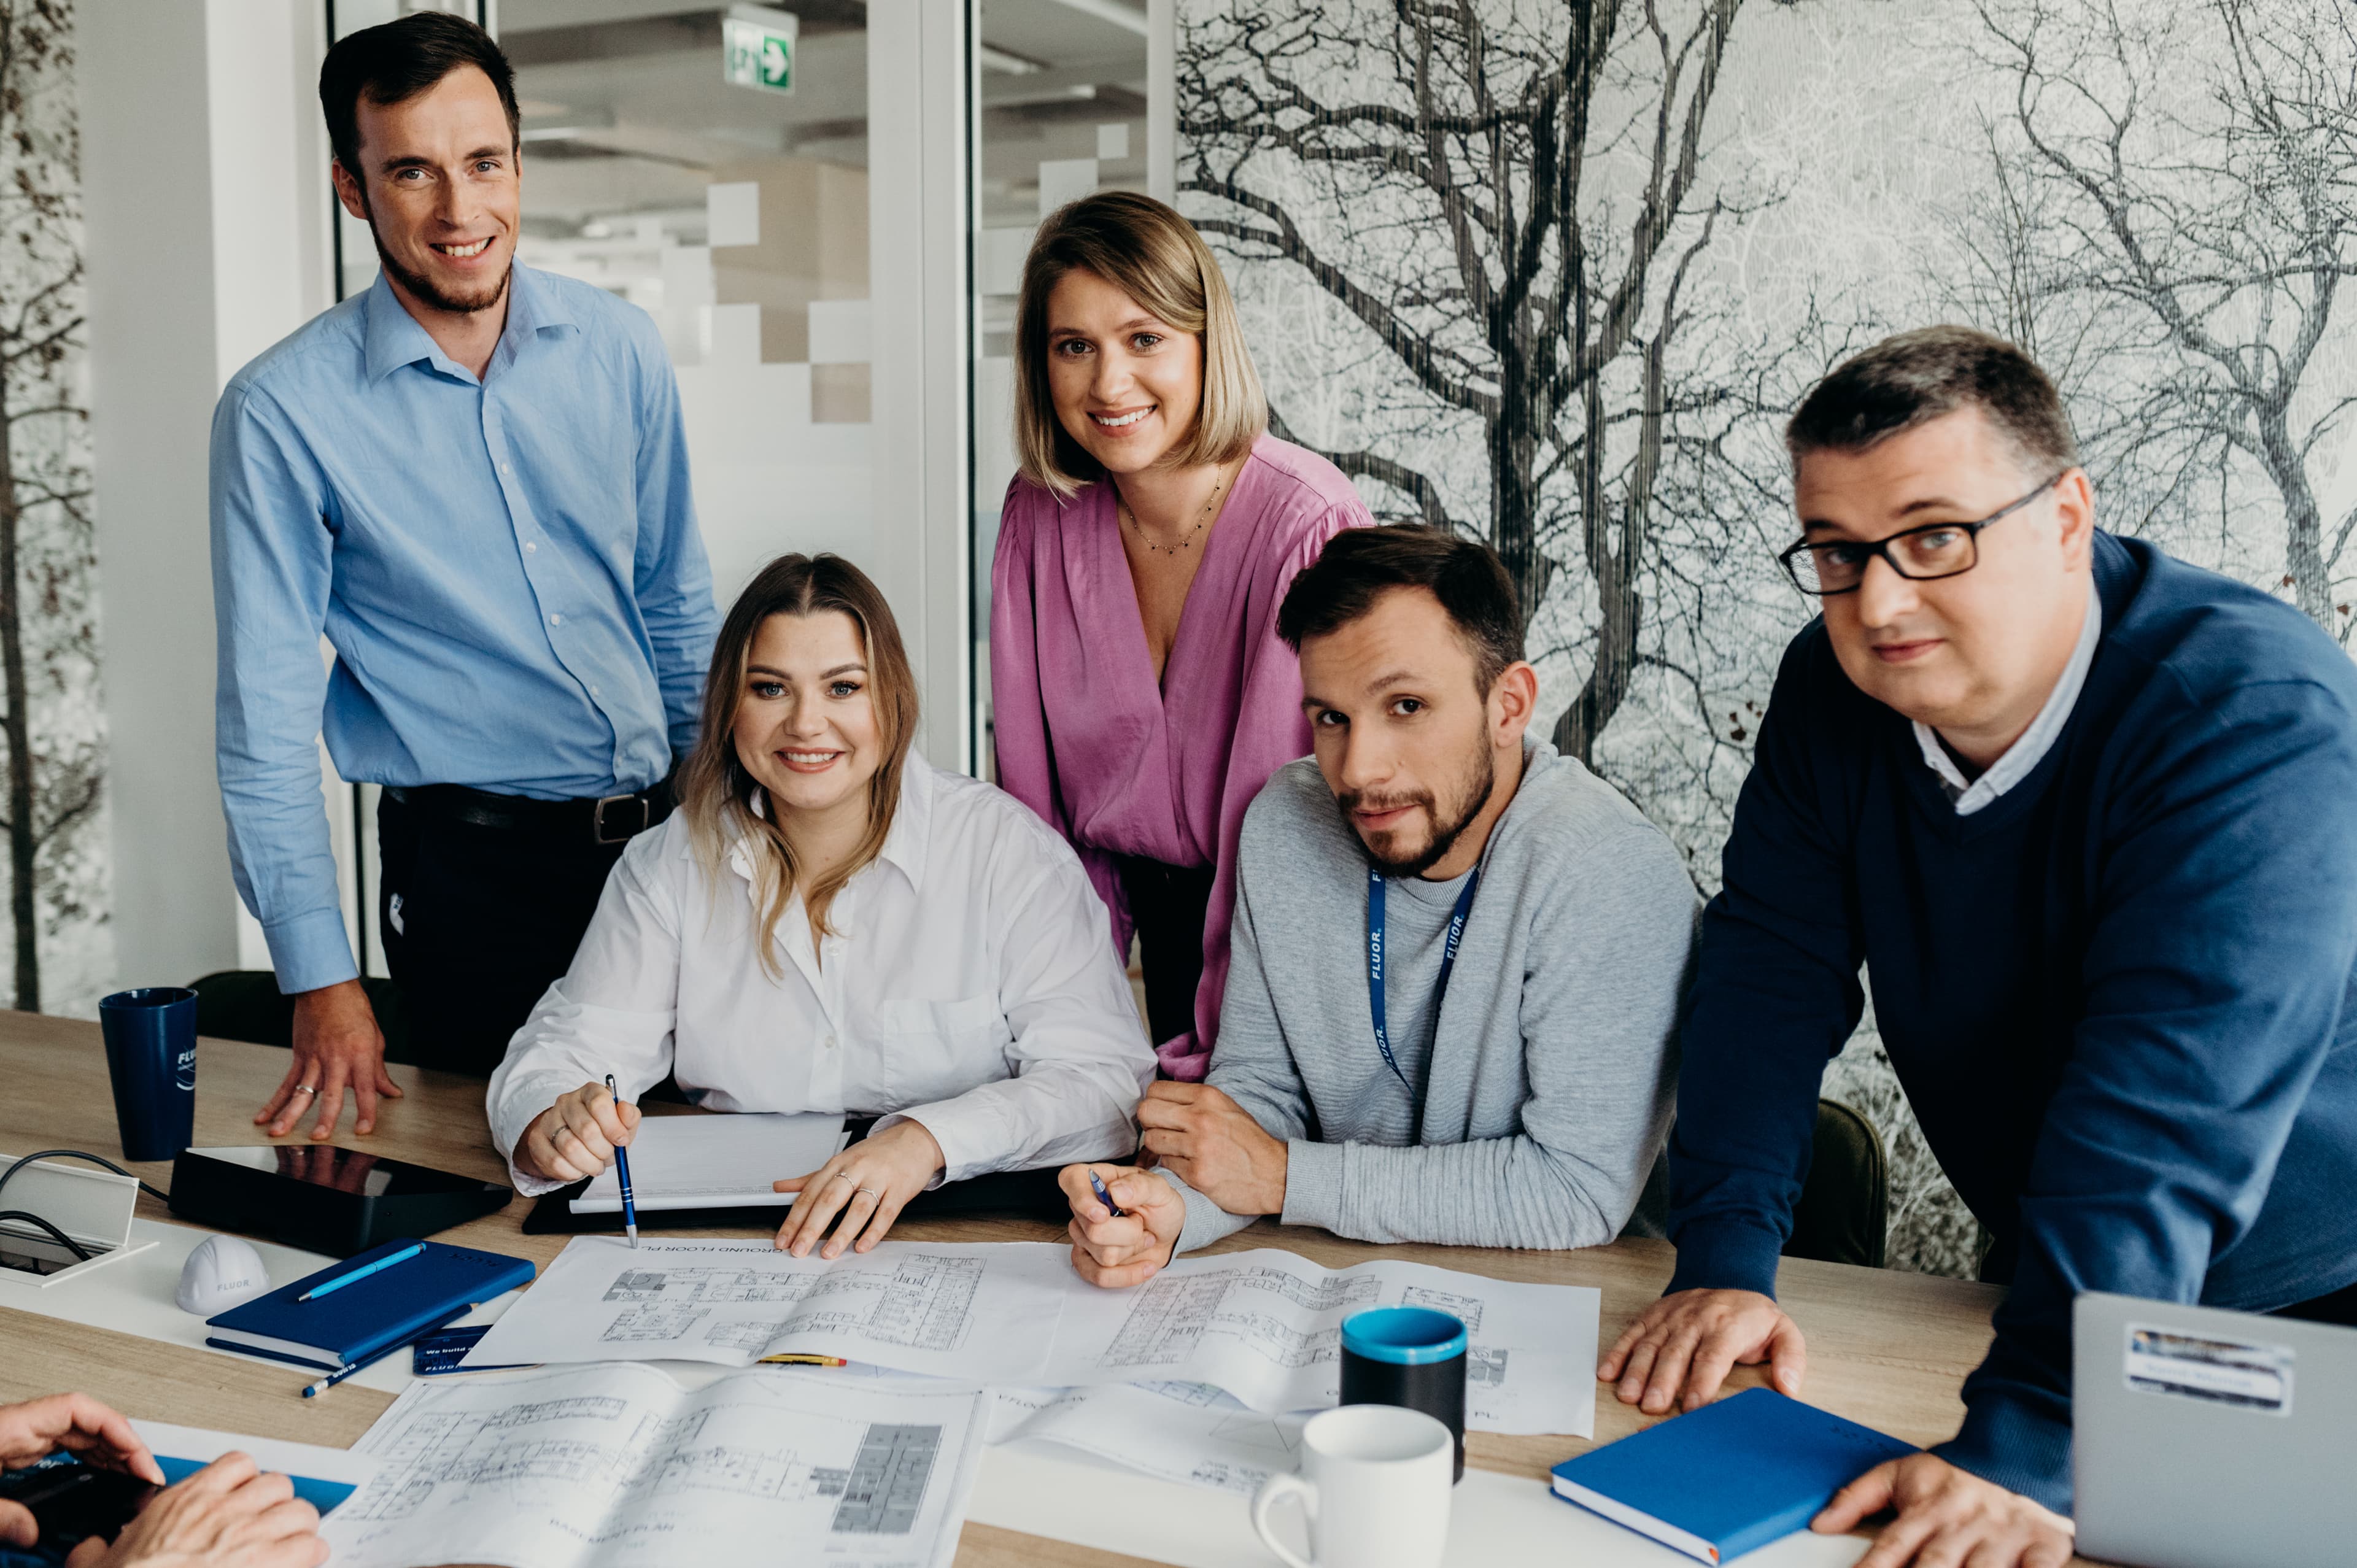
<point x="31" y="1432"/>
<point x="1211" y="1144"/>
<point x="1946" y="1516"/>
<point x="1114" y="1250"/>
<point x="227" y="1515"/>
<point x="337" y="1046"/>
<point x="1680" y="1348"/>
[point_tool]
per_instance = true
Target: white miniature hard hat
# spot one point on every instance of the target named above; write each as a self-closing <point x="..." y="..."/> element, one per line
<point x="222" y="1272"/>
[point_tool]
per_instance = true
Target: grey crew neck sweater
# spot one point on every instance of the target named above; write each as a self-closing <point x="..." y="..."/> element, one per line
<point x="1547" y="1070"/>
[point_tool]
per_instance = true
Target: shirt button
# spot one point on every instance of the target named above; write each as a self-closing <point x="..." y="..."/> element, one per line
<point x="593" y="691"/>
<point x="556" y="620"/>
<point x="530" y="549"/>
<point x="505" y="469"/>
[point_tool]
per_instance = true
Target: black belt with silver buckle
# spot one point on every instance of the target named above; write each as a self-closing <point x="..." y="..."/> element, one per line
<point x="609" y="820"/>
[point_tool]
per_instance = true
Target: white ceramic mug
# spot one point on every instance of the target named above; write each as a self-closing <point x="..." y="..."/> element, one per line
<point x="1374" y="1486"/>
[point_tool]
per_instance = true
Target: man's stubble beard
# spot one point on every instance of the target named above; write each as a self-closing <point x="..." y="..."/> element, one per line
<point x="426" y="291"/>
<point x="1481" y="777"/>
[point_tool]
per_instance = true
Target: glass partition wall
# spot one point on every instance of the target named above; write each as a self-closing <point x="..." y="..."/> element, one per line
<point x="1060" y="109"/>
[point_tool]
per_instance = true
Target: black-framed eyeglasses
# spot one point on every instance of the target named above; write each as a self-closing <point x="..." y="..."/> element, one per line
<point x="1920" y="554"/>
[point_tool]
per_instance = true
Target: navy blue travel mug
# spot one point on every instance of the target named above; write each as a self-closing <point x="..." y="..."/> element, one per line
<point x="151" y="1056"/>
<point x="1409" y="1355"/>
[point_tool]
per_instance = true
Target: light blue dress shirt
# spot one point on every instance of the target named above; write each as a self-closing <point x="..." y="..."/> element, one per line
<point x="508" y="569"/>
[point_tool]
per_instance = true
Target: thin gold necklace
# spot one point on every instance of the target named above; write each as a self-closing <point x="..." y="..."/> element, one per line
<point x="1121" y="504"/>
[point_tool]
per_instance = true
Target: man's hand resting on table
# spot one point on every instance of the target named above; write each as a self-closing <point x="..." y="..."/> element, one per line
<point x="1947" y="1516"/>
<point x="576" y="1136"/>
<point x="1211" y="1144"/>
<point x="1128" y="1249"/>
<point x="227" y="1515"/>
<point x="337" y="1044"/>
<point x="1680" y="1348"/>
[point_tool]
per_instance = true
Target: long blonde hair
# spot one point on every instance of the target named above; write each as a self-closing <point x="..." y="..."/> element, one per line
<point x="715" y="791"/>
<point x="1154" y="255"/>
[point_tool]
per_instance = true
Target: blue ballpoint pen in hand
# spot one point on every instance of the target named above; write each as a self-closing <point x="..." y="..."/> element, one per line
<point x="623" y="1173"/>
<point x="1116" y="1210"/>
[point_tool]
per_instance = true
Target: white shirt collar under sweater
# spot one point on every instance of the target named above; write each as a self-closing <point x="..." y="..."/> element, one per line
<point x="1971" y="794"/>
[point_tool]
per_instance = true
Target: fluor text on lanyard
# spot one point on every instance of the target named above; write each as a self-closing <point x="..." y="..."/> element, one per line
<point x="1375" y="970"/>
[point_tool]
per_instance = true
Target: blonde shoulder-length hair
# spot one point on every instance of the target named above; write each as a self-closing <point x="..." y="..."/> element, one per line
<point x="1152" y="254"/>
<point x="715" y="791"/>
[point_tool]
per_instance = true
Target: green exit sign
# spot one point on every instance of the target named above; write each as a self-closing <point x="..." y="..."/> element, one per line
<point x="759" y="44"/>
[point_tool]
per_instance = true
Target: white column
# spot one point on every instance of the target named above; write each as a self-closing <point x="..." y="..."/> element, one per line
<point x="204" y="236"/>
<point x="918" y="92"/>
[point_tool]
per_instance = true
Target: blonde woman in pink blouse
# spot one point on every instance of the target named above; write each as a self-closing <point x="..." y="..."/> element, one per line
<point x="1140" y="693"/>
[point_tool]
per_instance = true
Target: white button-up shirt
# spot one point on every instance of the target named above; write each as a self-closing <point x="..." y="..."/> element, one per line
<point x="973" y="988"/>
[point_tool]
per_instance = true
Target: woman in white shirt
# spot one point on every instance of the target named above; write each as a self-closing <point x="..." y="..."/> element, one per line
<point x="828" y="924"/>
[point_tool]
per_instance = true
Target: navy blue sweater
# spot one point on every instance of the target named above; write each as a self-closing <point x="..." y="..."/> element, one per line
<point x="2115" y="995"/>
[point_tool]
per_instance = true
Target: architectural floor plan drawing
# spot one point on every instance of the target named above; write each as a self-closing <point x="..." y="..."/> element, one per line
<point x="617" y="1467"/>
<point x="1265" y="1326"/>
<point x="979" y="1313"/>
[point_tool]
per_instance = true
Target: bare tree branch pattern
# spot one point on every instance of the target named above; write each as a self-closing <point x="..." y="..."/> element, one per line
<point x="1550" y="272"/>
<point x="52" y="729"/>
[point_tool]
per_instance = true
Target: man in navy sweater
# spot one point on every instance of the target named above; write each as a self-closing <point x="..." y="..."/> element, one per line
<point x="2088" y="817"/>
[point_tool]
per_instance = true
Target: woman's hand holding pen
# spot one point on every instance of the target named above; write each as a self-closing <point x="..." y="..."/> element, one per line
<point x="866" y="1185"/>
<point x="576" y="1136"/>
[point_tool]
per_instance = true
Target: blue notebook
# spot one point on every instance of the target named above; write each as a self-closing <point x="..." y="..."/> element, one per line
<point x="391" y="1306"/>
<point x="1720" y="1481"/>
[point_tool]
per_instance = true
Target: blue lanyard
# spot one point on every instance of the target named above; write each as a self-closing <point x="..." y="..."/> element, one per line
<point x="1375" y="967"/>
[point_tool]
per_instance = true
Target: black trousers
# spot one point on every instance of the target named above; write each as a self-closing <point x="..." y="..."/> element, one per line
<point x="478" y="920"/>
<point x="1168" y="905"/>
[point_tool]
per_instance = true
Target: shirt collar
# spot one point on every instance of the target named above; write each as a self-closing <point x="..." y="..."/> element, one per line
<point x="395" y="340"/>
<point x="2027" y="753"/>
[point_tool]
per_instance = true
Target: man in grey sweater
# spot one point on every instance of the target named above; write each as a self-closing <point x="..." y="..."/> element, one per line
<point x="1516" y="1094"/>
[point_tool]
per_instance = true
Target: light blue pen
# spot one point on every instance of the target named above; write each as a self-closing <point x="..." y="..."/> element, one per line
<point x="622" y="1170"/>
<point x="340" y="1281"/>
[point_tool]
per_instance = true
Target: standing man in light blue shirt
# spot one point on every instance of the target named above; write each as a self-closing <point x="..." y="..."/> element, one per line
<point x="473" y="480"/>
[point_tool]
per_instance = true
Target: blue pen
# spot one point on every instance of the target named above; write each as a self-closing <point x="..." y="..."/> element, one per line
<point x="340" y="1281"/>
<point x="1105" y="1198"/>
<point x="622" y="1169"/>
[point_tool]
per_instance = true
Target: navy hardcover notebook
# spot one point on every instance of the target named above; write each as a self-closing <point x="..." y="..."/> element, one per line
<point x="390" y="1306"/>
<point x="1718" y="1482"/>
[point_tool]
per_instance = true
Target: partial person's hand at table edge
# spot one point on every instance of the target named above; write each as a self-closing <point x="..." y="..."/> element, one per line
<point x="1680" y="1350"/>
<point x="1947" y="1515"/>
<point x="337" y="1044"/>
<point x="575" y="1138"/>
<point x="1132" y="1247"/>
<point x="78" y="1424"/>
<point x="867" y="1184"/>
<point x="231" y="1514"/>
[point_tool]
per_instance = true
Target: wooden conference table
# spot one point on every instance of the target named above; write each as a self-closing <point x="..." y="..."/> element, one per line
<point x="1889" y="1349"/>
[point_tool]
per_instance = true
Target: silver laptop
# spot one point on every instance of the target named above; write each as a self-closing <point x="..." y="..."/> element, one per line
<point x="2212" y="1439"/>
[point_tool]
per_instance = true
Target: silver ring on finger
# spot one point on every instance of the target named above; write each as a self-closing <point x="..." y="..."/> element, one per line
<point x="304" y="1089"/>
<point x="869" y="1191"/>
<point x="845" y="1176"/>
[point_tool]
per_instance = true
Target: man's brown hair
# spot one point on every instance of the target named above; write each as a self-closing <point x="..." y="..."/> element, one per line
<point x="1916" y="377"/>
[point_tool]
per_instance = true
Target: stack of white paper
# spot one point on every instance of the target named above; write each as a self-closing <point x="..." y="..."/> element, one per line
<point x="715" y="1162"/>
